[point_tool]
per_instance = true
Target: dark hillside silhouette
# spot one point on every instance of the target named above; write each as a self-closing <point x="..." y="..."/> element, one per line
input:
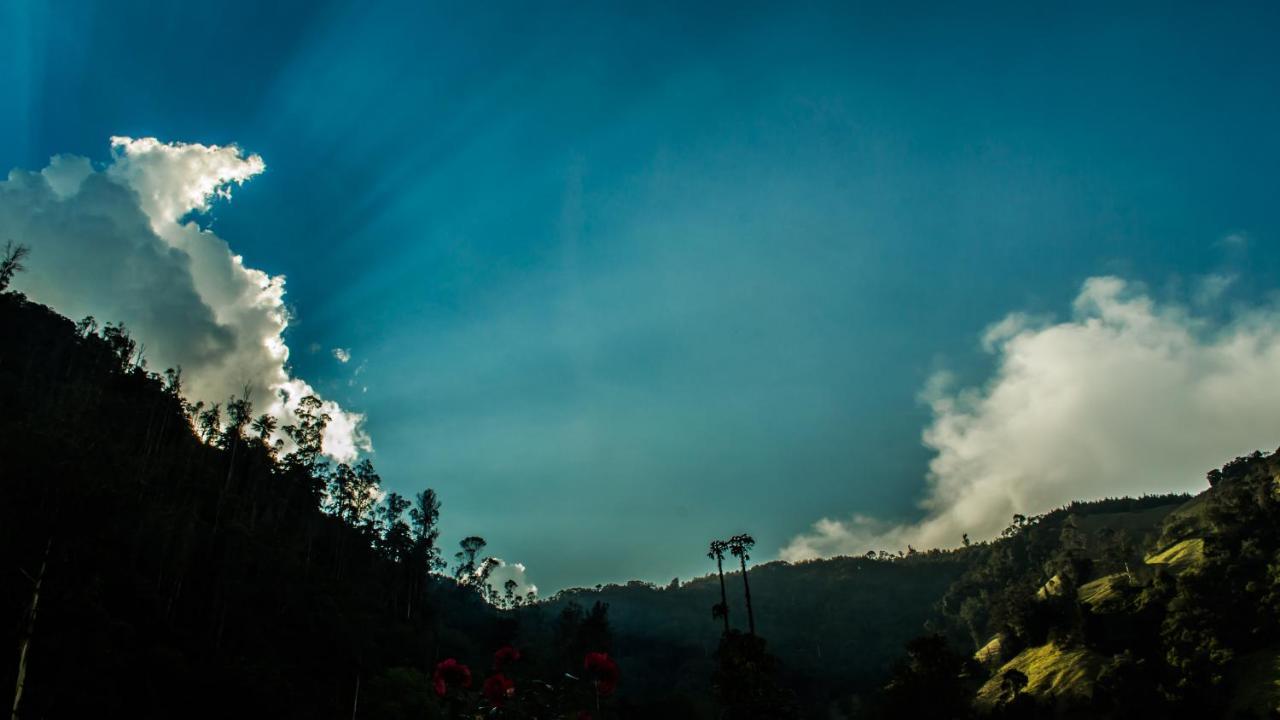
<point x="163" y="560"/>
<point x="834" y="626"/>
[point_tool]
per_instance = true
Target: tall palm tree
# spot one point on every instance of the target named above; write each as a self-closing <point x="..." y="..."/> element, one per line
<point x="716" y="552"/>
<point x="264" y="426"/>
<point x="740" y="546"/>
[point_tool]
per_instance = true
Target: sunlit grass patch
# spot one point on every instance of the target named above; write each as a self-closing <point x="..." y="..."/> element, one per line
<point x="1052" y="587"/>
<point x="1104" y="591"/>
<point x="1181" y="556"/>
<point x="1053" y="673"/>
<point x="991" y="652"/>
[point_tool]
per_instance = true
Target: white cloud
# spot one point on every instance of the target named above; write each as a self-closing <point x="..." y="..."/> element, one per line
<point x="173" y="179"/>
<point x="66" y="173"/>
<point x="511" y="571"/>
<point x="119" y="244"/>
<point x="342" y="355"/>
<point x="1128" y="397"/>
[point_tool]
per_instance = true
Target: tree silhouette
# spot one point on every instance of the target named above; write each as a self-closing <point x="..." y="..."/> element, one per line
<point x="308" y="433"/>
<point x="424" y="516"/>
<point x="716" y="552"/>
<point x="424" y="553"/>
<point x="481" y="580"/>
<point x="121" y="345"/>
<point x="353" y="493"/>
<point x="11" y="263"/>
<point x="239" y="412"/>
<point x="467" y="567"/>
<point x="211" y="423"/>
<point x="740" y="546"/>
<point x="396" y="540"/>
<point x="305" y="461"/>
<point x="264" y="425"/>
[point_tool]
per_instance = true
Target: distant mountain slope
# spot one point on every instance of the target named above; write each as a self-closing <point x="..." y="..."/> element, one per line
<point x="839" y="624"/>
<point x="835" y="624"/>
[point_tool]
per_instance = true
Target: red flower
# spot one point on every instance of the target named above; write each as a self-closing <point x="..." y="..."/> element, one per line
<point x="450" y="673"/>
<point x="505" y="656"/>
<point x="498" y="688"/>
<point x="603" y="672"/>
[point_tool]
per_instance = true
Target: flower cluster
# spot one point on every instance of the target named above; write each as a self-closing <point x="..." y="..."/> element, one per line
<point x="603" y="671"/>
<point x="498" y="688"/>
<point x="498" y="691"/>
<point x="451" y="674"/>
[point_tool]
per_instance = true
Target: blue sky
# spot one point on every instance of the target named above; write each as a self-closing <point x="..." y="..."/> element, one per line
<point x="625" y="277"/>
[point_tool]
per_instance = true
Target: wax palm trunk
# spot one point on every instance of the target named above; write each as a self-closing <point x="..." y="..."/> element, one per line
<point x="724" y="598"/>
<point x="746" y="585"/>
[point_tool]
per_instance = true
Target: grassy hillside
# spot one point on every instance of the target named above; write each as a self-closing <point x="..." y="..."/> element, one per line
<point x="1160" y="607"/>
<point x="1055" y="675"/>
<point x="1180" y="557"/>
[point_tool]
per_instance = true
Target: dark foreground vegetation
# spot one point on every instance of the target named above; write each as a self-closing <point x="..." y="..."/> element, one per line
<point x="167" y="559"/>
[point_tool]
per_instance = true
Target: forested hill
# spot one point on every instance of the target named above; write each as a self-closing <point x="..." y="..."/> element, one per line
<point x="836" y="625"/>
<point x="165" y="559"/>
<point x="839" y="627"/>
<point x="180" y="565"/>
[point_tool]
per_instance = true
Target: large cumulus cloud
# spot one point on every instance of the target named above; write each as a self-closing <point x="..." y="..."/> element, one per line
<point x="119" y="243"/>
<point x="1127" y="397"/>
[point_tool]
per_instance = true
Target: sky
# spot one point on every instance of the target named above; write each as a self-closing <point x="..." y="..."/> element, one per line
<point x="619" y="278"/>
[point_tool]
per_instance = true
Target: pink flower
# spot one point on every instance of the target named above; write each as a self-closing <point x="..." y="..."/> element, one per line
<point x="498" y="688"/>
<point x="603" y="671"/>
<point x="450" y="674"/>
